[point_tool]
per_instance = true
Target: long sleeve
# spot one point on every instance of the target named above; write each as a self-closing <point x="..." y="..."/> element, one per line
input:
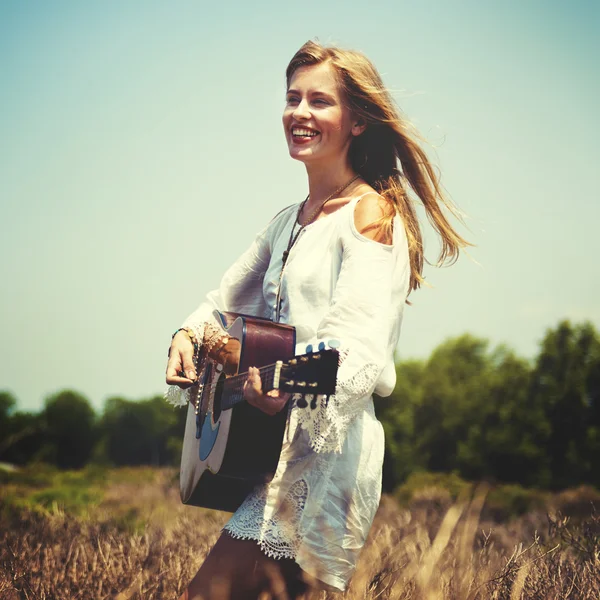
<point x="364" y="317"/>
<point x="240" y="290"/>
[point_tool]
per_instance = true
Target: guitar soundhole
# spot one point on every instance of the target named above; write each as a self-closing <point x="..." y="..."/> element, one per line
<point x="217" y="399"/>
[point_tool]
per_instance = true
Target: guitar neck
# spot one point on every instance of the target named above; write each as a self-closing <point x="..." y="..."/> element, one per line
<point x="233" y="387"/>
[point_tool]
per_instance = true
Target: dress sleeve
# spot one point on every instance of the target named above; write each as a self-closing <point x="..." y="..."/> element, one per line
<point x="240" y="290"/>
<point x="364" y="319"/>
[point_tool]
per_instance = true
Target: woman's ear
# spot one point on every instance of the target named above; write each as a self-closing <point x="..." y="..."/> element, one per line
<point x="358" y="126"/>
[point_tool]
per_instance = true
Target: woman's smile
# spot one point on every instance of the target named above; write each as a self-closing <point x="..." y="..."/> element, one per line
<point x="303" y="134"/>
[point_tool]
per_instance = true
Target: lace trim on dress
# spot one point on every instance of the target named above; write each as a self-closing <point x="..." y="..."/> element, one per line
<point x="328" y="423"/>
<point x="176" y="396"/>
<point x="278" y="536"/>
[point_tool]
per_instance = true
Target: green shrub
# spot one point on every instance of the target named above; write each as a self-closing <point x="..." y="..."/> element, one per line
<point x="431" y="486"/>
<point x="512" y="500"/>
<point x="441" y="489"/>
<point x="75" y="499"/>
<point x="37" y="475"/>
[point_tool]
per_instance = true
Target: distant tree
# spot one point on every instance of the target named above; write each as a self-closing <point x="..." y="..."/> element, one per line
<point x="592" y="400"/>
<point x="509" y="445"/>
<point x="565" y="382"/>
<point x="70" y="424"/>
<point x="7" y="404"/>
<point x="19" y="432"/>
<point x="25" y="440"/>
<point x="143" y="432"/>
<point x="397" y="415"/>
<point x="466" y="409"/>
<point x="449" y="416"/>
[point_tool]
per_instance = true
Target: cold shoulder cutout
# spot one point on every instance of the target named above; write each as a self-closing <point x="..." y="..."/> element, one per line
<point x="369" y="209"/>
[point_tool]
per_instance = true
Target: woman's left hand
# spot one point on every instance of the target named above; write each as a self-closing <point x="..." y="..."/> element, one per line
<point x="271" y="402"/>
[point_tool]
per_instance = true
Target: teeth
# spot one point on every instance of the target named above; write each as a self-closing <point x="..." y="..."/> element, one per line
<point x="304" y="132"/>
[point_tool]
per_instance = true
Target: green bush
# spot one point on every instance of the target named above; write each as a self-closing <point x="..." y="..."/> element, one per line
<point x="431" y="486"/>
<point x="44" y="488"/>
<point x="512" y="500"/>
<point x="502" y="502"/>
<point x="75" y="500"/>
<point x="36" y="475"/>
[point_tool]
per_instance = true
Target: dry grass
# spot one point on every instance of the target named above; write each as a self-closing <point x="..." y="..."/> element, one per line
<point x="140" y="542"/>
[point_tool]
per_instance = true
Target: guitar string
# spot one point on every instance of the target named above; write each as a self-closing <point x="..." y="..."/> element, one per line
<point x="230" y="401"/>
<point x="266" y="370"/>
<point x="238" y="386"/>
<point x="263" y="370"/>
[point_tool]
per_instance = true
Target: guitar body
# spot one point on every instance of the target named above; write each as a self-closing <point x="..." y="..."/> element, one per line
<point x="226" y="452"/>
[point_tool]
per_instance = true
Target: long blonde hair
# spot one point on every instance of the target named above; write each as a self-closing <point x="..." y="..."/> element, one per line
<point x="387" y="154"/>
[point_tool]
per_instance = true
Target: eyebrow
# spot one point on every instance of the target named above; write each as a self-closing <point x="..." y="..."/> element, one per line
<point x="314" y="93"/>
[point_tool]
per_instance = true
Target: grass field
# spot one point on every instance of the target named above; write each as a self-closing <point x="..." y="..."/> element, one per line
<point x="123" y="533"/>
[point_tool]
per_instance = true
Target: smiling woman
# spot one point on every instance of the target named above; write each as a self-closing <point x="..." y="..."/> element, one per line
<point x="338" y="267"/>
<point x="317" y="125"/>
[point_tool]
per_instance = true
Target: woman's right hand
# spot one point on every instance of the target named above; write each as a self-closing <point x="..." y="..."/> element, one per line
<point x="180" y="367"/>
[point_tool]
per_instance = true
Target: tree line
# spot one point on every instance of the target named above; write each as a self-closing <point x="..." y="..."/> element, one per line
<point x="480" y="412"/>
<point x="489" y="414"/>
<point x="69" y="434"/>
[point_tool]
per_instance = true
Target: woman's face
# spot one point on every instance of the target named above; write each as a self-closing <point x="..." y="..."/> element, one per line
<point x="317" y="125"/>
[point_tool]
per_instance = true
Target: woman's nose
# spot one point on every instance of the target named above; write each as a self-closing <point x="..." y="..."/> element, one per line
<point x="301" y="111"/>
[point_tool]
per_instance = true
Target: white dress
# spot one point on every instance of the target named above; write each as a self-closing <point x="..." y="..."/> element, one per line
<point x="337" y="284"/>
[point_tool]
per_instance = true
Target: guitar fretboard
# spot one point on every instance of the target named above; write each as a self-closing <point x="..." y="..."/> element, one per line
<point x="233" y="387"/>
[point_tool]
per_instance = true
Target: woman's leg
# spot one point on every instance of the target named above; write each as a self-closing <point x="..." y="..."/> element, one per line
<point x="238" y="570"/>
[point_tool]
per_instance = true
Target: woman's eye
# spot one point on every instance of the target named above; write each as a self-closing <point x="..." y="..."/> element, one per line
<point x="320" y="101"/>
<point x="292" y="100"/>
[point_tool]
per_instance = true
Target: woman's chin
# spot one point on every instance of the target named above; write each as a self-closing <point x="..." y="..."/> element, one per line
<point x="301" y="154"/>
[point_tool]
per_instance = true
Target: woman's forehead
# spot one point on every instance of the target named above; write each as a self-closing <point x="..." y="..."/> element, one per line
<point x="321" y="77"/>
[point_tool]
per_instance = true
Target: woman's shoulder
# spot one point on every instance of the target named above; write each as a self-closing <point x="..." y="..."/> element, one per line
<point x="369" y="213"/>
<point x="284" y="213"/>
<point x="279" y="221"/>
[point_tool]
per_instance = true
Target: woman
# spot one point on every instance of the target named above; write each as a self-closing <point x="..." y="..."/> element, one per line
<point x="338" y="266"/>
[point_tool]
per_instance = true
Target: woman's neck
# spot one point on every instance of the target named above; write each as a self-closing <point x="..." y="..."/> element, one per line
<point x="323" y="180"/>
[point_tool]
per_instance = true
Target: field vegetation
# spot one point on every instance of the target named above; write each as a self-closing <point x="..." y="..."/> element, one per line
<point x="122" y="533"/>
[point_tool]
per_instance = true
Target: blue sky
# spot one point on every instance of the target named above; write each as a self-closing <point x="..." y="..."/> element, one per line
<point x="141" y="150"/>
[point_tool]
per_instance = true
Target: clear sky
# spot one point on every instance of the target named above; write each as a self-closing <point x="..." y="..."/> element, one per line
<point x="141" y="150"/>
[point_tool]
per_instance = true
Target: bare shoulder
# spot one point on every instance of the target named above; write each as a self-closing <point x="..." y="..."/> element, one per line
<point x="369" y="213"/>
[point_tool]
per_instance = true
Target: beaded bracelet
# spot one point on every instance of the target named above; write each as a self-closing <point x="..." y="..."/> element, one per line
<point x="192" y="335"/>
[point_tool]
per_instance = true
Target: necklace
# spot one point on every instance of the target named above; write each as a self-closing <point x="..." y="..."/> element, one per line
<point x="311" y="217"/>
<point x="294" y="237"/>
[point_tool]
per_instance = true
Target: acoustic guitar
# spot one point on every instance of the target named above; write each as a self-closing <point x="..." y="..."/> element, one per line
<point x="230" y="446"/>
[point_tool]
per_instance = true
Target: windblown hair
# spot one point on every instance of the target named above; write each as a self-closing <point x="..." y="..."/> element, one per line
<point x="387" y="154"/>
